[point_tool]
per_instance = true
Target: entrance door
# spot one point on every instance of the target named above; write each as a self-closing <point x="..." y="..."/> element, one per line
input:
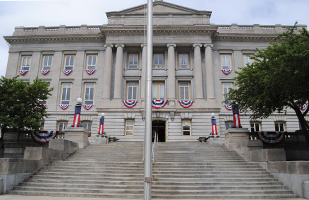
<point x="159" y="128"/>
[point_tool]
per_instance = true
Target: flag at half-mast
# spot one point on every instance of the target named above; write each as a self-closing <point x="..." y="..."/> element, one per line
<point x="101" y="127"/>
<point x="77" y="115"/>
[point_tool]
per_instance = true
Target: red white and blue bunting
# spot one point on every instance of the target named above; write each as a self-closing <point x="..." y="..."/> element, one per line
<point x="271" y="137"/>
<point x="23" y="72"/>
<point x="129" y="104"/>
<point x="304" y="107"/>
<point x="101" y="127"/>
<point x="87" y="106"/>
<point x="214" y="130"/>
<point x="228" y="107"/>
<point x="44" y="137"/>
<point x="90" y="71"/>
<point x="64" y="106"/>
<point x="76" y="119"/>
<point x="186" y="104"/>
<point x="67" y="72"/>
<point x="157" y="104"/>
<point x="226" y="71"/>
<point x="44" y="72"/>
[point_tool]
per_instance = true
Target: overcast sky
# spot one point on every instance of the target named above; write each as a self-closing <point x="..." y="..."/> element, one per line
<point x="92" y="12"/>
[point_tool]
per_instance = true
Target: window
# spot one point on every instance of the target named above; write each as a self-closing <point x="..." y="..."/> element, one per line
<point x="225" y="62"/>
<point x="25" y="62"/>
<point x="66" y="93"/>
<point x="87" y="125"/>
<point x="129" y="130"/>
<point x="47" y="62"/>
<point x="184" y="91"/>
<point x="255" y="127"/>
<point x="132" y="88"/>
<point x="186" y="127"/>
<point x="89" y="93"/>
<point x="62" y="125"/>
<point x="229" y="124"/>
<point x="158" y="61"/>
<point x="132" y="61"/>
<point x="91" y="61"/>
<point x="248" y="60"/>
<point x="158" y="90"/>
<point x="183" y="61"/>
<point x="69" y="62"/>
<point x="226" y="89"/>
<point x="279" y="126"/>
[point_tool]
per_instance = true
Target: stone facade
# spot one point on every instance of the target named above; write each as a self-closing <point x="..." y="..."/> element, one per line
<point x="190" y="55"/>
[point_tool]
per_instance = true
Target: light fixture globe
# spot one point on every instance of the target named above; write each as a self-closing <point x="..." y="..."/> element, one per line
<point x="79" y="100"/>
<point x="102" y="114"/>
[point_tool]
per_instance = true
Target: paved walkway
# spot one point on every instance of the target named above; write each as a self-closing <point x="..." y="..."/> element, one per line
<point x="19" y="197"/>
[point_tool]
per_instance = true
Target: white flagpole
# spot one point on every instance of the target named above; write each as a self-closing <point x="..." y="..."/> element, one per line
<point x="148" y="107"/>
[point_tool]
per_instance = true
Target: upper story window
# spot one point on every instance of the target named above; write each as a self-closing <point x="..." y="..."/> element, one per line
<point x="158" y="59"/>
<point x="89" y="93"/>
<point x="226" y="61"/>
<point x="226" y="87"/>
<point x="183" y="61"/>
<point x="91" y="61"/>
<point x="47" y="62"/>
<point x="279" y="126"/>
<point x="184" y="91"/>
<point x="66" y="93"/>
<point x="132" y="61"/>
<point x="69" y="62"/>
<point x="132" y="91"/>
<point x="25" y="62"/>
<point x="158" y="91"/>
<point x="248" y="60"/>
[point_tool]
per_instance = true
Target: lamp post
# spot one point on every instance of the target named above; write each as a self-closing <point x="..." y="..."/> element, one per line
<point x="101" y="127"/>
<point x="78" y="108"/>
<point x="213" y="125"/>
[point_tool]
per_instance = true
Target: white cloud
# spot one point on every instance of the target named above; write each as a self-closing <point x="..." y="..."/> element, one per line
<point x="92" y="12"/>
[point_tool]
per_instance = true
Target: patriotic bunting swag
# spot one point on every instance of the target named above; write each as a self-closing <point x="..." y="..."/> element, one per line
<point x="304" y="107"/>
<point x="226" y="71"/>
<point x="64" y="106"/>
<point x="159" y="103"/>
<point x="43" y="137"/>
<point x="271" y="137"/>
<point x="186" y="104"/>
<point x="129" y="104"/>
<point x="87" y="106"/>
<point x="23" y="72"/>
<point x="101" y="127"/>
<point x="44" y="72"/>
<point x="77" y="115"/>
<point x="214" y="126"/>
<point x="67" y="72"/>
<point x="228" y="107"/>
<point x="236" y="117"/>
<point x="90" y="71"/>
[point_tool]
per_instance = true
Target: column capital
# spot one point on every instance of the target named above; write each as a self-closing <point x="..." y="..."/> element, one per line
<point x="143" y="45"/>
<point x="109" y="45"/>
<point x="197" y="45"/>
<point x="171" y="45"/>
<point x="208" y="45"/>
<point x="119" y="45"/>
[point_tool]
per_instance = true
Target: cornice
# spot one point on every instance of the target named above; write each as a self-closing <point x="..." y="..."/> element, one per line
<point x="39" y="39"/>
<point x="244" y="37"/>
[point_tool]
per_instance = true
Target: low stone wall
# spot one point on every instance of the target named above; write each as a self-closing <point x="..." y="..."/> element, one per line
<point x="293" y="174"/>
<point x="15" y="170"/>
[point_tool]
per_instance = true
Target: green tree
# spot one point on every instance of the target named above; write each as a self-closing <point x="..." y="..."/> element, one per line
<point x="19" y="103"/>
<point x="278" y="79"/>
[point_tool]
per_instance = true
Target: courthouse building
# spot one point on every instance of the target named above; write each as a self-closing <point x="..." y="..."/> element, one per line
<point x="194" y="65"/>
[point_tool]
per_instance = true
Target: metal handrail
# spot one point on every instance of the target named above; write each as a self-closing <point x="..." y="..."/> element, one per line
<point x="154" y="147"/>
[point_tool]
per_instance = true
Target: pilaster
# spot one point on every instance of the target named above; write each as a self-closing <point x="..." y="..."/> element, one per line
<point x="107" y="72"/>
<point x="198" y="76"/>
<point x="171" y="93"/>
<point x="118" y="71"/>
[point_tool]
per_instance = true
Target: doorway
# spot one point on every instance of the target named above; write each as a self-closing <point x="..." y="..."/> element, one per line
<point x="159" y="128"/>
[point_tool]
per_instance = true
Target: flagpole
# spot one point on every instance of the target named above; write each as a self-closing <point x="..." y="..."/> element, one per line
<point x="148" y="107"/>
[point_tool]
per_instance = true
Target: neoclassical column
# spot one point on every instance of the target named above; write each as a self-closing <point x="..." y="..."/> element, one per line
<point x="209" y="72"/>
<point x="143" y="78"/>
<point x="118" y="71"/>
<point x="171" y="94"/>
<point x="198" y="77"/>
<point x="107" y="71"/>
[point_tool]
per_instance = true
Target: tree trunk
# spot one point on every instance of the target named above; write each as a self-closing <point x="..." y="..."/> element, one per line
<point x="303" y="123"/>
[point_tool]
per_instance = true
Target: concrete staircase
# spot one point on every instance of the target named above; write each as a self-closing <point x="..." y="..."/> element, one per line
<point x="182" y="170"/>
